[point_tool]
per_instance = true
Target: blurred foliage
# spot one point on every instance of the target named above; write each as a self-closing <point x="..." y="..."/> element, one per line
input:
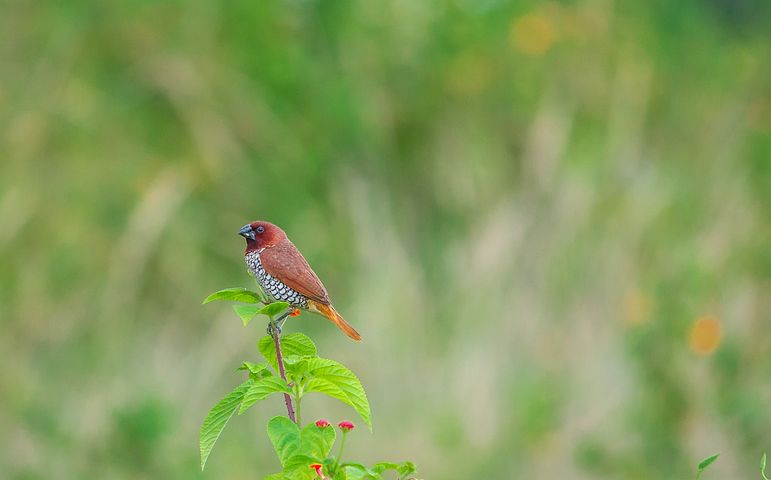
<point x="525" y="208"/>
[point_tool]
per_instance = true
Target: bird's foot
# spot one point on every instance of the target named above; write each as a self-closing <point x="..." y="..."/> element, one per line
<point x="280" y="321"/>
<point x="274" y="328"/>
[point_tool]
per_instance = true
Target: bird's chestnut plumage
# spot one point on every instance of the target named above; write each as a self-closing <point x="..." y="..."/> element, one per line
<point x="284" y="274"/>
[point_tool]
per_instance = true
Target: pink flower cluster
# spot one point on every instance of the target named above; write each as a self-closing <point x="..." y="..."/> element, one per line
<point x="345" y="425"/>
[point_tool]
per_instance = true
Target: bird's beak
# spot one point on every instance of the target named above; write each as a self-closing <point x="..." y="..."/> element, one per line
<point x="247" y="232"/>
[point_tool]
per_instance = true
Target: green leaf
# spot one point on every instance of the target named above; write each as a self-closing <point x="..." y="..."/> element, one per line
<point x="763" y="466"/>
<point x="403" y="469"/>
<point x="247" y="312"/>
<point x="297" y="449"/>
<point x="356" y="471"/>
<point x="234" y="294"/>
<point x="261" y="389"/>
<point x="273" y="309"/>
<point x="296" y="368"/>
<point x="329" y="465"/>
<point x="292" y="344"/>
<point x="285" y="437"/>
<point x="300" y="464"/>
<point x="317" y="441"/>
<point x="275" y="476"/>
<point x="325" y="386"/>
<point x="335" y="380"/>
<point x="406" y="468"/>
<point x="217" y="419"/>
<point x="707" y="461"/>
<point x="383" y="466"/>
<point x="301" y="472"/>
<point x="254" y="368"/>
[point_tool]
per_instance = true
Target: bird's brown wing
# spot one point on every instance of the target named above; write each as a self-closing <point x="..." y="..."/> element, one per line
<point x="284" y="262"/>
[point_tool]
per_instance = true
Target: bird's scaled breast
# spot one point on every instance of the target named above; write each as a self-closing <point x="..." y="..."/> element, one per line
<point x="273" y="287"/>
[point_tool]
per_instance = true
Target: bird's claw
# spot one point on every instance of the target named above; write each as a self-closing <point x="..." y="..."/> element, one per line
<point x="278" y="324"/>
<point x="274" y="328"/>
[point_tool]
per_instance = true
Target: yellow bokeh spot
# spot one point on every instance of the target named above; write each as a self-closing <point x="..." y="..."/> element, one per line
<point x="533" y="34"/>
<point x="704" y="336"/>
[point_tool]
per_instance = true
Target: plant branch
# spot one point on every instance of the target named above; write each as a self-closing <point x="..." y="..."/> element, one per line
<point x="276" y="334"/>
<point x="340" y="452"/>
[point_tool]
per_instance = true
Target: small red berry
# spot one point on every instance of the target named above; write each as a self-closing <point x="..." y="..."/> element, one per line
<point x="295" y="313"/>
<point x="322" y="423"/>
<point x="346" y="426"/>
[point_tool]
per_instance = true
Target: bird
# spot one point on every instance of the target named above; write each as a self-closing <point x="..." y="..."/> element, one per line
<point x="284" y="274"/>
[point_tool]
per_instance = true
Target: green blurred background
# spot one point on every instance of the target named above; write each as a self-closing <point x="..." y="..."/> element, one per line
<point x="551" y="222"/>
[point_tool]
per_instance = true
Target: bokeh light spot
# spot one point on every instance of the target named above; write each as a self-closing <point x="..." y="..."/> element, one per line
<point x="704" y="336"/>
<point x="533" y="34"/>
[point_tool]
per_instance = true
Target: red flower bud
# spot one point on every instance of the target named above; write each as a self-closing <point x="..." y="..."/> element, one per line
<point x="346" y="426"/>
<point x="295" y="312"/>
<point x="317" y="467"/>
<point x="322" y="423"/>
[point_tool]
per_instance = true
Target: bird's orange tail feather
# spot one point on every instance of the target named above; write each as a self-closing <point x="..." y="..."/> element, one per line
<point x="330" y="312"/>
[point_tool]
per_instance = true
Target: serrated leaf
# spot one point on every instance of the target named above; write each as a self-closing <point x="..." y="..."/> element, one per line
<point x="217" y="419"/>
<point x="292" y="344"/>
<point x="317" y="441"/>
<point x="297" y="449"/>
<point x="246" y="312"/>
<point x="335" y="380"/>
<point x="255" y="368"/>
<point x="261" y="389"/>
<point x="707" y="461"/>
<point x="234" y="294"/>
<point x="323" y="385"/>
<point x="285" y="437"/>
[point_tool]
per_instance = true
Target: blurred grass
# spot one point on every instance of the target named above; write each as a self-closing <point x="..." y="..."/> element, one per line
<point x="524" y="207"/>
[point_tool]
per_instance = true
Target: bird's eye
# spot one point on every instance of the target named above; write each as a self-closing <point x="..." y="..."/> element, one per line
<point x="260" y="229"/>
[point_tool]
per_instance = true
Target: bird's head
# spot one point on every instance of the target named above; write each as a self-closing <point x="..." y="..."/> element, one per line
<point x="260" y="235"/>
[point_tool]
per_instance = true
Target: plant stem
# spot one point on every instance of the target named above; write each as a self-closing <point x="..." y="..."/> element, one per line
<point x="280" y="360"/>
<point x="297" y="402"/>
<point x="340" y="452"/>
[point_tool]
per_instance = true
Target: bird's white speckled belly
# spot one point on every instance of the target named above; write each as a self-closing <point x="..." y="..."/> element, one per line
<point x="273" y="287"/>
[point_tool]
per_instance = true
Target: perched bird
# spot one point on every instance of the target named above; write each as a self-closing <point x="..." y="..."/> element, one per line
<point x="284" y="274"/>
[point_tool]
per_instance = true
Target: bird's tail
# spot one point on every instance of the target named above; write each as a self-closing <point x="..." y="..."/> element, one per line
<point x="330" y="312"/>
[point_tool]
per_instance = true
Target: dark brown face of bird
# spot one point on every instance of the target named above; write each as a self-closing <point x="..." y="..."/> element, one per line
<point x="261" y="235"/>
